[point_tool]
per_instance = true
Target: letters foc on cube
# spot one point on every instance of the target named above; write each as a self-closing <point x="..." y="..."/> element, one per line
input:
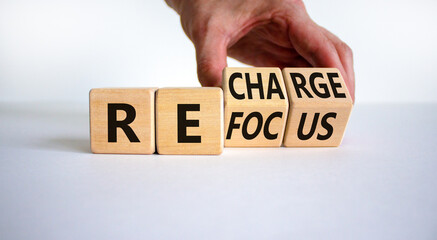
<point x="122" y="120"/>
<point x="189" y="120"/>
<point x="320" y="106"/>
<point x="256" y="107"/>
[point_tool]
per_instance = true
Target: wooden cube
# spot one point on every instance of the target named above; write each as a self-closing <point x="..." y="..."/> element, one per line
<point x="189" y="120"/>
<point x="320" y="106"/>
<point x="256" y="107"/>
<point x="122" y="120"/>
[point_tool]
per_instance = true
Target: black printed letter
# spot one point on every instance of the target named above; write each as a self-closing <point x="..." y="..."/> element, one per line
<point x="267" y="133"/>
<point x="183" y="123"/>
<point x="327" y="126"/>
<point x="301" y="85"/>
<point x="113" y="124"/>
<point x="300" y="134"/>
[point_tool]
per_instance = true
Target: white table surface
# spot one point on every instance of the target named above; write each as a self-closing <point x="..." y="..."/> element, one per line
<point x="381" y="183"/>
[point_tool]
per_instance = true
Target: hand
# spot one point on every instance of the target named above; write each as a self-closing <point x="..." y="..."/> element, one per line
<point x="274" y="33"/>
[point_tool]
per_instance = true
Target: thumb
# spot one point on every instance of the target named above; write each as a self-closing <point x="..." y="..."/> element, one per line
<point x="211" y="53"/>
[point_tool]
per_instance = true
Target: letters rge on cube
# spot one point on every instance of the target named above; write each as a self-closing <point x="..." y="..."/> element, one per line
<point x="320" y="106"/>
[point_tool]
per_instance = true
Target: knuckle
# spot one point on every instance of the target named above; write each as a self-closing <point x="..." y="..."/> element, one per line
<point x="316" y="47"/>
<point x="345" y="49"/>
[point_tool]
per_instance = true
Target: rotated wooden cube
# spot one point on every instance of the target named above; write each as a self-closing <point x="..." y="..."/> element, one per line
<point x="189" y="120"/>
<point x="256" y="107"/>
<point x="320" y="106"/>
<point x="122" y="120"/>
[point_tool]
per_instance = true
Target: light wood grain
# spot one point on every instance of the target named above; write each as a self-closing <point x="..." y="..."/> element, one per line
<point x="209" y="116"/>
<point x="321" y="100"/>
<point x="142" y="100"/>
<point x="258" y="102"/>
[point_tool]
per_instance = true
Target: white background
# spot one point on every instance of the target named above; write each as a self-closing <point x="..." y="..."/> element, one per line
<point x="379" y="184"/>
<point x="56" y="50"/>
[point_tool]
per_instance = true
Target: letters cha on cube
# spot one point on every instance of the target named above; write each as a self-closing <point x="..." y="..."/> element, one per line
<point x="256" y="107"/>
